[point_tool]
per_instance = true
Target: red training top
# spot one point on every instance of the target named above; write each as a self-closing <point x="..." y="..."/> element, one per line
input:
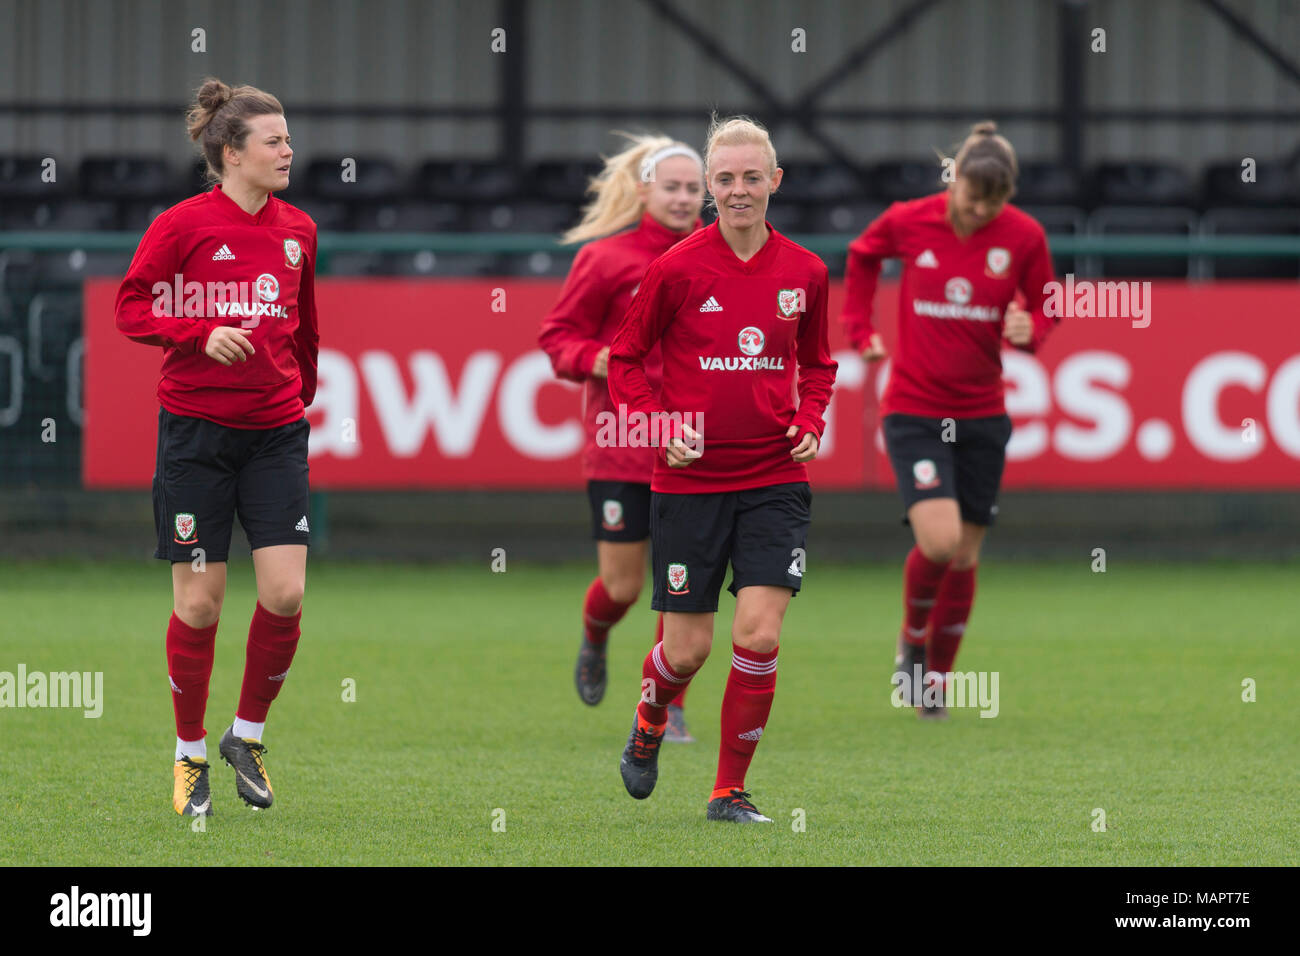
<point x="954" y="294"/>
<point x="731" y="334"/>
<point x="604" y="277"/>
<point x="263" y="268"/>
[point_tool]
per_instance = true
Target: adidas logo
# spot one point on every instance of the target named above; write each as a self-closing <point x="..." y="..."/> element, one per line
<point x="711" y="305"/>
<point x="302" y="524"/>
<point x="278" y="677"/>
<point x="794" y="569"/>
<point x="927" y="260"/>
<point x="751" y="734"/>
<point x="222" y="253"/>
<point x="173" y="683"/>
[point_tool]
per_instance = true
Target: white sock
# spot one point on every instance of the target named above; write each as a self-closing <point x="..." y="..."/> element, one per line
<point x="192" y="748"/>
<point x="248" y="729"/>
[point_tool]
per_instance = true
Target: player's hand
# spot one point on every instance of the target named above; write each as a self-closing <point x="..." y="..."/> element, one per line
<point x="601" y="367"/>
<point x="678" y="453"/>
<point x="806" y="450"/>
<point x="875" y="349"/>
<point x="228" y="345"/>
<point x="1018" y="326"/>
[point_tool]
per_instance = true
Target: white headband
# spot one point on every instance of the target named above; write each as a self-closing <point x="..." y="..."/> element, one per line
<point x="654" y="159"/>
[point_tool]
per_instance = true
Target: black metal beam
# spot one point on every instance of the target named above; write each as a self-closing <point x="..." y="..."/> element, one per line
<point x="512" y="106"/>
<point x="1252" y="36"/>
<point x="774" y="105"/>
<point x="1073" y="38"/>
<point x="856" y="58"/>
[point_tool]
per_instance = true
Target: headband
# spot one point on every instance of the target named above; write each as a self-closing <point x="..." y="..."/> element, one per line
<point x="654" y="159"/>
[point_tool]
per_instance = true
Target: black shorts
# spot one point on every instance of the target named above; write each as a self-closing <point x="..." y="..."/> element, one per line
<point x="620" y="510"/>
<point x="761" y="531"/>
<point x="207" y="472"/>
<point x="963" y="460"/>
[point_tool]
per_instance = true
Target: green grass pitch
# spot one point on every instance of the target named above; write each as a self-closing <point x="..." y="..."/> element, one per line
<point x="1119" y="690"/>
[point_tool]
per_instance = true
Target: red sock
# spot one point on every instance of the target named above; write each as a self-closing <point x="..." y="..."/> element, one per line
<point x="660" y="686"/>
<point x="921" y="578"/>
<point x="659" y="636"/>
<point x="272" y="639"/>
<point x="189" y="668"/>
<point x="600" y="612"/>
<point x="746" y="703"/>
<point x="951" y="611"/>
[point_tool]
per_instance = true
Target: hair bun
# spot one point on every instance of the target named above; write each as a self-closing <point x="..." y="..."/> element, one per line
<point x="986" y="128"/>
<point x="214" y="94"/>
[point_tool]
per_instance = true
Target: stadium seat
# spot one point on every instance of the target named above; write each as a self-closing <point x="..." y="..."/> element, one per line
<point x="1143" y="220"/>
<point x="1275" y="185"/>
<point x="849" y="218"/>
<point x="60" y="215"/>
<point x="329" y="215"/>
<point x="465" y="181"/>
<point x="67" y="269"/>
<point x="138" y="216"/>
<point x="376" y="179"/>
<point x="412" y="215"/>
<point x="820" y="182"/>
<point x="562" y="180"/>
<point x="1140" y="183"/>
<point x="17" y="273"/>
<point x="20" y="178"/>
<point x="1060" y="221"/>
<point x="538" y="265"/>
<point x="905" y="179"/>
<point x="1045" y="183"/>
<point x="523" y="216"/>
<point x="786" y="215"/>
<point x="53" y="324"/>
<point x="359" y="264"/>
<point x="121" y="178"/>
<point x="1253" y="222"/>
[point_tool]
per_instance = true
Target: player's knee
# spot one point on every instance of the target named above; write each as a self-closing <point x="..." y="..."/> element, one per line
<point x="283" y="600"/>
<point x="689" y="658"/>
<point x="622" y="589"/>
<point x="760" y="636"/>
<point x="940" y="548"/>
<point x="198" y="610"/>
<point x="965" y="559"/>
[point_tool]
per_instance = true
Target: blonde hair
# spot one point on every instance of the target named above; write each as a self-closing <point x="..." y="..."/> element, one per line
<point x="988" y="161"/>
<point x="217" y="119"/>
<point x="736" y="131"/>
<point x="616" y="200"/>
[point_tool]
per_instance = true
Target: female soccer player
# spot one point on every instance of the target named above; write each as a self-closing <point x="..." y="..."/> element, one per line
<point x="965" y="254"/>
<point x="239" y="343"/>
<point x="657" y="186"/>
<point x="736" y="308"/>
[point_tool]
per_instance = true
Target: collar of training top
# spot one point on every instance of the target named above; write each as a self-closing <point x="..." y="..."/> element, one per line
<point x="232" y="208"/>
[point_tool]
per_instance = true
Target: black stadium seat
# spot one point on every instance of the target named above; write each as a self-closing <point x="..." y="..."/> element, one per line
<point x="466" y="181"/>
<point x="1143" y="220"/>
<point x="905" y="179"/>
<point x="820" y="182"/>
<point x="1252" y="222"/>
<point x="408" y="215"/>
<point x="370" y="179"/>
<point x="849" y="217"/>
<point x="562" y="180"/>
<point x="523" y="216"/>
<point x="1045" y="183"/>
<point x="1275" y="185"/>
<point x="60" y="215"/>
<point x="21" y="179"/>
<point x="1140" y="183"/>
<point x="1059" y="221"/>
<point x="122" y="178"/>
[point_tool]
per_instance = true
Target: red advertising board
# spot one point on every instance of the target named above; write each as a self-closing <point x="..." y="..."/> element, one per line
<point x="440" y="384"/>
